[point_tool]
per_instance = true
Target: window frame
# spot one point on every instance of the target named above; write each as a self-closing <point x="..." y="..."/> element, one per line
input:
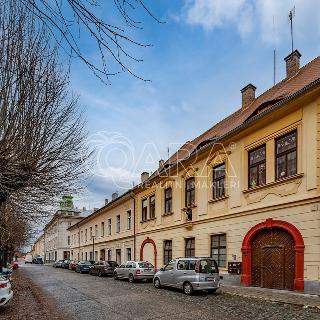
<point x="129" y="219"/>
<point x="190" y="190"/>
<point x="167" y="199"/>
<point x="191" y="248"/>
<point x="109" y="227"/>
<point x="118" y="223"/>
<point x="216" y="180"/>
<point x="285" y="153"/>
<point x="167" y="252"/>
<point x="219" y="247"/>
<point x="257" y="165"/>
<point x="152" y="207"/>
<point x="144" y="210"/>
<point x="102" y="229"/>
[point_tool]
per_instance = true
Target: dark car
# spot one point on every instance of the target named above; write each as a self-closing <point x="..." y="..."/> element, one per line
<point x="65" y="264"/>
<point x="103" y="268"/>
<point x="37" y="261"/>
<point x="83" y="266"/>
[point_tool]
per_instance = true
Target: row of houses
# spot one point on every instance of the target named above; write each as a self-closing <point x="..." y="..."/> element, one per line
<point x="245" y="192"/>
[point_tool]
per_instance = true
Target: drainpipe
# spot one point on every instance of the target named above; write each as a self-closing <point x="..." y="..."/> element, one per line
<point x="134" y="225"/>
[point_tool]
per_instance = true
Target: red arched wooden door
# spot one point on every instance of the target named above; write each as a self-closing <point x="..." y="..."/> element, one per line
<point x="273" y="259"/>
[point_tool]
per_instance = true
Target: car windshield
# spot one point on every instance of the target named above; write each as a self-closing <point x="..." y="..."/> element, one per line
<point x="112" y="263"/>
<point x="87" y="263"/>
<point x="208" y="266"/>
<point x="145" y="265"/>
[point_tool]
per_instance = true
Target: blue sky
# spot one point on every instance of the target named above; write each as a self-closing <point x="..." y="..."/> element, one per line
<point x="200" y="59"/>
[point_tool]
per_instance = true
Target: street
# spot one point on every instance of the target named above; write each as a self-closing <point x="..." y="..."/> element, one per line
<point x="89" y="297"/>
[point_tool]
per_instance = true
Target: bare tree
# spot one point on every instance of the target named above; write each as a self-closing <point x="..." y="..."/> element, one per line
<point x="68" y="20"/>
<point x="42" y="137"/>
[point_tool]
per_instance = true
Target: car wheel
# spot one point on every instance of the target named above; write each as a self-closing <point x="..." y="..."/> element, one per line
<point x="157" y="283"/>
<point x="187" y="288"/>
<point x="115" y="276"/>
<point x="100" y="274"/>
<point x="131" y="278"/>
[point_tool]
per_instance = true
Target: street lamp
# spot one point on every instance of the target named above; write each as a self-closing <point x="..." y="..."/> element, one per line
<point x="93" y="237"/>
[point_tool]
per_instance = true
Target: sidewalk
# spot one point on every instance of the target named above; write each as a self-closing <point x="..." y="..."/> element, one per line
<point x="272" y="295"/>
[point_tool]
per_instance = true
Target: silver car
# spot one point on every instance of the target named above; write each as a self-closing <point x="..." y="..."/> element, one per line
<point x="134" y="270"/>
<point x="189" y="274"/>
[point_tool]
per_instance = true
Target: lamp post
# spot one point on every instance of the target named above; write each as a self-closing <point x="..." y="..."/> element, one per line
<point x="93" y="237"/>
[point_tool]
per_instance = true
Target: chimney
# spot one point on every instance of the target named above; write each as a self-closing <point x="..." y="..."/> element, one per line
<point x="84" y="209"/>
<point x="114" y="196"/>
<point x="292" y="63"/>
<point x="106" y="201"/>
<point x="161" y="163"/>
<point x="248" y="94"/>
<point x="144" y="176"/>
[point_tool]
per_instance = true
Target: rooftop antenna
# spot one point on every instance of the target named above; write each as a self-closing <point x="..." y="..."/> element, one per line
<point x="168" y="152"/>
<point x="274" y="54"/>
<point x="292" y="14"/>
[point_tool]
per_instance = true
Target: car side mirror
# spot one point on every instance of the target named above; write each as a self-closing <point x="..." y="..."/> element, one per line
<point x="221" y="277"/>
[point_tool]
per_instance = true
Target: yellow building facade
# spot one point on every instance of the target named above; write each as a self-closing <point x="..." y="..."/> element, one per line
<point x="254" y="191"/>
<point x="106" y="234"/>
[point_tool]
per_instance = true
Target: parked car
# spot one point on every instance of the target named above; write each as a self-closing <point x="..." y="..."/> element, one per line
<point x="58" y="264"/>
<point x="14" y="265"/>
<point x="73" y="265"/>
<point x="37" y="260"/>
<point x="83" y="266"/>
<point x="65" y="264"/>
<point x="28" y="259"/>
<point x="189" y="274"/>
<point x="134" y="270"/>
<point x="6" y="292"/>
<point x="102" y="268"/>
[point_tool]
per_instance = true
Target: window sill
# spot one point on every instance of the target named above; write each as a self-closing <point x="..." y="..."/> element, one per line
<point x="218" y="199"/>
<point x="148" y="220"/>
<point x="167" y="214"/>
<point x="273" y="183"/>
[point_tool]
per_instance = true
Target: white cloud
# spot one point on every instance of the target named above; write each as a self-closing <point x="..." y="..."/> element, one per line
<point x="247" y="16"/>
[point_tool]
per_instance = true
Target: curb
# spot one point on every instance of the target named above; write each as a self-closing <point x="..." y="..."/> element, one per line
<point x="273" y="300"/>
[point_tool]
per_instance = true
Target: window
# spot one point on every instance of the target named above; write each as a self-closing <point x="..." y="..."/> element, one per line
<point x="129" y="219"/>
<point x="118" y="256"/>
<point x="90" y="232"/>
<point x="81" y="236"/>
<point x="190" y="247"/>
<point x="144" y="210"/>
<point x="102" y="229"/>
<point x="169" y="266"/>
<point x="286" y="155"/>
<point x="218" y="249"/>
<point x="118" y="223"/>
<point x="190" y="192"/>
<point x="109" y="254"/>
<point x="96" y="231"/>
<point x="257" y="166"/>
<point x="168" y="200"/>
<point x="109" y="227"/>
<point x="167" y="251"/>
<point x="219" y="174"/>
<point x="85" y="235"/>
<point x="128" y="254"/>
<point x="152" y="206"/>
<point x="68" y="240"/>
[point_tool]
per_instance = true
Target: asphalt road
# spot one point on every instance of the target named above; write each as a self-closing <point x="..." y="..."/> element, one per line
<point x="88" y="297"/>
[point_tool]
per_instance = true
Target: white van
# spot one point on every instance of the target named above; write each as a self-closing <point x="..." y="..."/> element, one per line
<point x="28" y="259"/>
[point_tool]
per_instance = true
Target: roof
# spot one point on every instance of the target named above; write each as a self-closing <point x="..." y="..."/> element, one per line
<point x="100" y="210"/>
<point x="280" y="92"/>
